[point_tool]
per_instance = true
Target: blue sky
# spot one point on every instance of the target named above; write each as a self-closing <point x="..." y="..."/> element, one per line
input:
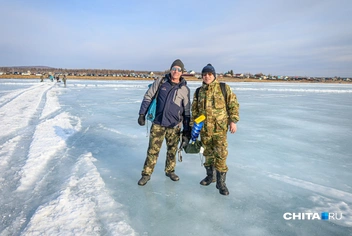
<point x="301" y="37"/>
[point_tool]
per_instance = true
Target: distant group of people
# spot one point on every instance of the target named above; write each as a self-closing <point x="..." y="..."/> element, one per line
<point x="174" y="111"/>
<point x="57" y="77"/>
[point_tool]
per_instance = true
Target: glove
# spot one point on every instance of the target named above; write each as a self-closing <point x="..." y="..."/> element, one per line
<point x="141" y="120"/>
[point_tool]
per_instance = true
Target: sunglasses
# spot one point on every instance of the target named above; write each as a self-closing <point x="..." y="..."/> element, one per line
<point x="208" y="73"/>
<point x="176" y="69"/>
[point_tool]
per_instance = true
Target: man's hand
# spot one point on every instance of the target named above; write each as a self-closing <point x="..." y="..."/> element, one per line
<point x="141" y="120"/>
<point x="233" y="127"/>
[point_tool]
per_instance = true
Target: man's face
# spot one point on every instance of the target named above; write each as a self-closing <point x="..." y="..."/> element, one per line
<point x="208" y="77"/>
<point x="176" y="72"/>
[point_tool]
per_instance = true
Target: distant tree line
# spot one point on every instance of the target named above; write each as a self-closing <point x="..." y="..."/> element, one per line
<point x="46" y="70"/>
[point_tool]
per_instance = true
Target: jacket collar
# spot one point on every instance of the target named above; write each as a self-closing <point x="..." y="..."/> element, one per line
<point x="212" y="84"/>
<point x="182" y="80"/>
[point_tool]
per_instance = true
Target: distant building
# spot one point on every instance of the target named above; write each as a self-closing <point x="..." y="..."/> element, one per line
<point x="189" y="73"/>
<point x="259" y="75"/>
<point x="26" y="73"/>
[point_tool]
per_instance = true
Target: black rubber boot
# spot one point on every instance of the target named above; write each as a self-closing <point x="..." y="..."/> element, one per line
<point x="220" y="183"/>
<point x="144" y="180"/>
<point x="172" y="176"/>
<point x="211" y="176"/>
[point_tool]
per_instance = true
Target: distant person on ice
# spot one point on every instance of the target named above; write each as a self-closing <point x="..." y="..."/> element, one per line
<point x="221" y="111"/>
<point x="64" y="79"/>
<point x="172" y="112"/>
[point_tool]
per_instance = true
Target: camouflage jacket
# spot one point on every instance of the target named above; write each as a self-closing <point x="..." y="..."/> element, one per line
<point x="211" y="103"/>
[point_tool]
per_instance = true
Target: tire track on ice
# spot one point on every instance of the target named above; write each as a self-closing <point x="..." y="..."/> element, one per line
<point x="19" y="116"/>
<point x="7" y="98"/>
<point x="84" y="207"/>
<point x="15" y="138"/>
<point x="15" y="141"/>
<point x="21" y="111"/>
<point x="20" y="146"/>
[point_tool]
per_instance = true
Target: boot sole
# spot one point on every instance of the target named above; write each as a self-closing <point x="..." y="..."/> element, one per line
<point x="226" y="193"/>
<point x="142" y="184"/>
<point x="173" y="179"/>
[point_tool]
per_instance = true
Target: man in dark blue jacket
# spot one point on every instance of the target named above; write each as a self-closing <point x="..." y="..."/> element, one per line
<point x="172" y="112"/>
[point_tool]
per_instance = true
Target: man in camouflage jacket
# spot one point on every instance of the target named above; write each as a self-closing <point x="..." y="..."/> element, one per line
<point x="221" y="114"/>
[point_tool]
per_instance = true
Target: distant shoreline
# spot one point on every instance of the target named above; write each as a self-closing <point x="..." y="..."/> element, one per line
<point x="188" y="78"/>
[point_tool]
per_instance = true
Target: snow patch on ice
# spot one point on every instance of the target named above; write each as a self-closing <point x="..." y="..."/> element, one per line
<point x="84" y="207"/>
<point x="49" y="137"/>
<point x="17" y="113"/>
<point x="52" y="103"/>
<point x="335" y="200"/>
<point x="6" y="152"/>
<point x="333" y="206"/>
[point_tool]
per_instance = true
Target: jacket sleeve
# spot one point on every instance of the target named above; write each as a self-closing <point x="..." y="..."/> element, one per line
<point x="187" y="110"/>
<point x="148" y="96"/>
<point x="232" y="105"/>
<point x="195" y="112"/>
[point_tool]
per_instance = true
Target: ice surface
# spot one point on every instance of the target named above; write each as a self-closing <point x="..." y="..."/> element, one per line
<point x="70" y="160"/>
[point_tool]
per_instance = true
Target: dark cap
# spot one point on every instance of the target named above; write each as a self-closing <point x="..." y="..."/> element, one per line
<point x="209" y="69"/>
<point x="179" y="63"/>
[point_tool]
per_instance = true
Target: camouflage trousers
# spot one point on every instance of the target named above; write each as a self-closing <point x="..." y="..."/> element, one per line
<point x="156" y="138"/>
<point x="215" y="150"/>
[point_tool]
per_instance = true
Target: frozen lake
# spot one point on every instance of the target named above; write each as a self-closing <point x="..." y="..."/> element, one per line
<point x="70" y="160"/>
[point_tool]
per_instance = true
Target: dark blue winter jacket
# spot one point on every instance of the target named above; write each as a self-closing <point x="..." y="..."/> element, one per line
<point x="173" y="102"/>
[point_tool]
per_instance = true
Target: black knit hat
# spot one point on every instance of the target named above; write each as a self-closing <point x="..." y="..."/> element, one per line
<point x="209" y="69"/>
<point x="179" y="63"/>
